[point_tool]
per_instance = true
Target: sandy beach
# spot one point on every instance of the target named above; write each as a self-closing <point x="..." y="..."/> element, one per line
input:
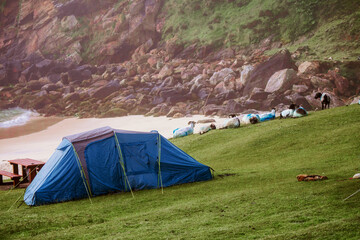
<point x="41" y="144"/>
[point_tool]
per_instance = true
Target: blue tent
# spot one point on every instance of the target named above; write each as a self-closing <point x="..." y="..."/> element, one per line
<point x="107" y="160"/>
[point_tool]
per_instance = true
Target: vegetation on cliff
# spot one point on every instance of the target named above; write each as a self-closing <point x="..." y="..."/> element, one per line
<point x="329" y="28"/>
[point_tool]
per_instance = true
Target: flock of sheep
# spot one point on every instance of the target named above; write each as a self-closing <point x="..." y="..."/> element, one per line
<point x="294" y="111"/>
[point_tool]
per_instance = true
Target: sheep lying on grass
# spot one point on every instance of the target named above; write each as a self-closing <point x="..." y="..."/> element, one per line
<point x="288" y="112"/>
<point x="232" y="122"/>
<point x="251" y="118"/>
<point x="185" y="131"/>
<point x="206" y="128"/>
<point x="299" y="112"/>
<point x="268" y="116"/>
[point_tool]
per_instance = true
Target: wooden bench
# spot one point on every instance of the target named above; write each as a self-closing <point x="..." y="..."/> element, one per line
<point x="12" y="176"/>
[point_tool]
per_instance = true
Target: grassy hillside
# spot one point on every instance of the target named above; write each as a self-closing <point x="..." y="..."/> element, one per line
<point x="255" y="193"/>
<point x="326" y="27"/>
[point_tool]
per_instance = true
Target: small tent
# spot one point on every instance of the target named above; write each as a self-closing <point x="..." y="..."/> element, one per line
<point x="107" y="160"/>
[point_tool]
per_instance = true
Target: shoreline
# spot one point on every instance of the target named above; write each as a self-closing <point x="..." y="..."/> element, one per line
<point x="41" y="135"/>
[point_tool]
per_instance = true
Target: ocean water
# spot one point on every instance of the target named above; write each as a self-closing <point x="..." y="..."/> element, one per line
<point x="15" y="117"/>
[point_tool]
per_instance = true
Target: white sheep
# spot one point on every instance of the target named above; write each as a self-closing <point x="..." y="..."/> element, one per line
<point x="206" y="128"/>
<point x="232" y="122"/>
<point x="185" y="131"/>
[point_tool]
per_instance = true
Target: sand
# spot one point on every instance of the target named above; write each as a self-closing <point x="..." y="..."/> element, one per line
<point x="41" y="144"/>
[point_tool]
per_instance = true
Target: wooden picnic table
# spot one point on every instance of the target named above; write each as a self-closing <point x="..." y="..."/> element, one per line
<point x="29" y="168"/>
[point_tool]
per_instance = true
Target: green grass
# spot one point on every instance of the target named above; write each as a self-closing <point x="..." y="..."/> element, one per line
<point x="329" y="28"/>
<point x="259" y="199"/>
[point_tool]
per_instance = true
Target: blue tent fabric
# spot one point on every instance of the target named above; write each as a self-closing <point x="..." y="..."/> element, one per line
<point x="115" y="160"/>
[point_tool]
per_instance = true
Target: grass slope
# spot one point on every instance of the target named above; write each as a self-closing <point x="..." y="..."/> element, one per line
<point x="260" y="199"/>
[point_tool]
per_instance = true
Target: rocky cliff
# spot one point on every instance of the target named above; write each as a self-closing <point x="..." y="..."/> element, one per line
<point x="112" y="58"/>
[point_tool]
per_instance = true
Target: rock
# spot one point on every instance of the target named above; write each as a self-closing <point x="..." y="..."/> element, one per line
<point x="68" y="89"/>
<point x="159" y="110"/>
<point x="300" y="88"/>
<point x="3" y="80"/>
<point x="72" y="97"/>
<point x="35" y="57"/>
<point x="232" y="106"/>
<point x="258" y="94"/>
<point x="106" y="90"/>
<point x="44" y="66"/>
<point x="12" y="72"/>
<point x="341" y="83"/>
<point x="50" y="87"/>
<point x="300" y="100"/>
<point x="260" y="75"/>
<point x="27" y="72"/>
<point x="36" y="84"/>
<point x="281" y="80"/>
<point x="54" y="78"/>
<point x="309" y="68"/>
<point x="274" y="100"/>
<point x="178" y="115"/>
<point x="142" y="50"/>
<point x="211" y="109"/>
<point x="322" y="83"/>
<point x="245" y="72"/>
<point x="172" y="48"/>
<point x="64" y="77"/>
<point x="114" y="112"/>
<point x="224" y="75"/>
<point x="69" y="23"/>
<point x="74" y="58"/>
<point x="251" y="104"/>
<point x="166" y="71"/>
<point x="78" y="76"/>
<point x="209" y="120"/>
<point x="224" y="54"/>
<point x="76" y="7"/>
<point x="174" y="110"/>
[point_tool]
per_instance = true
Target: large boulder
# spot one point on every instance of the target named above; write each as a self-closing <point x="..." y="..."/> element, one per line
<point x="245" y="72"/>
<point x="224" y="75"/>
<point x="44" y="66"/>
<point x="300" y="100"/>
<point x="79" y="75"/>
<point x="321" y="83"/>
<point x="69" y="22"/>
<point x="258" y="94"/>
<point x="106" y="90"/>
<point x="309" y="68"/>
<point x="263" y="71"/>
<point x="281" y="80"/>
<point x="166" y="71"/>
<point x="341" y="83"/>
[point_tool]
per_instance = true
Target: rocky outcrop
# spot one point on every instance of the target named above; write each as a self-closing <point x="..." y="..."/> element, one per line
<point x="260" y="75"/>
<point x="47" y="63"/>
<point x="281" y="80"/>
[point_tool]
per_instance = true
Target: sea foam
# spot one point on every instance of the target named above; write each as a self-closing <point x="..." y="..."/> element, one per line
<point x="15" y="117"/>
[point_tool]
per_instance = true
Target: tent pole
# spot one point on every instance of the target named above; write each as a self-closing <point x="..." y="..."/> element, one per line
<point x="159" y="158"/>
<point x="88" y="191"/>
<point x="121" y="160"/>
